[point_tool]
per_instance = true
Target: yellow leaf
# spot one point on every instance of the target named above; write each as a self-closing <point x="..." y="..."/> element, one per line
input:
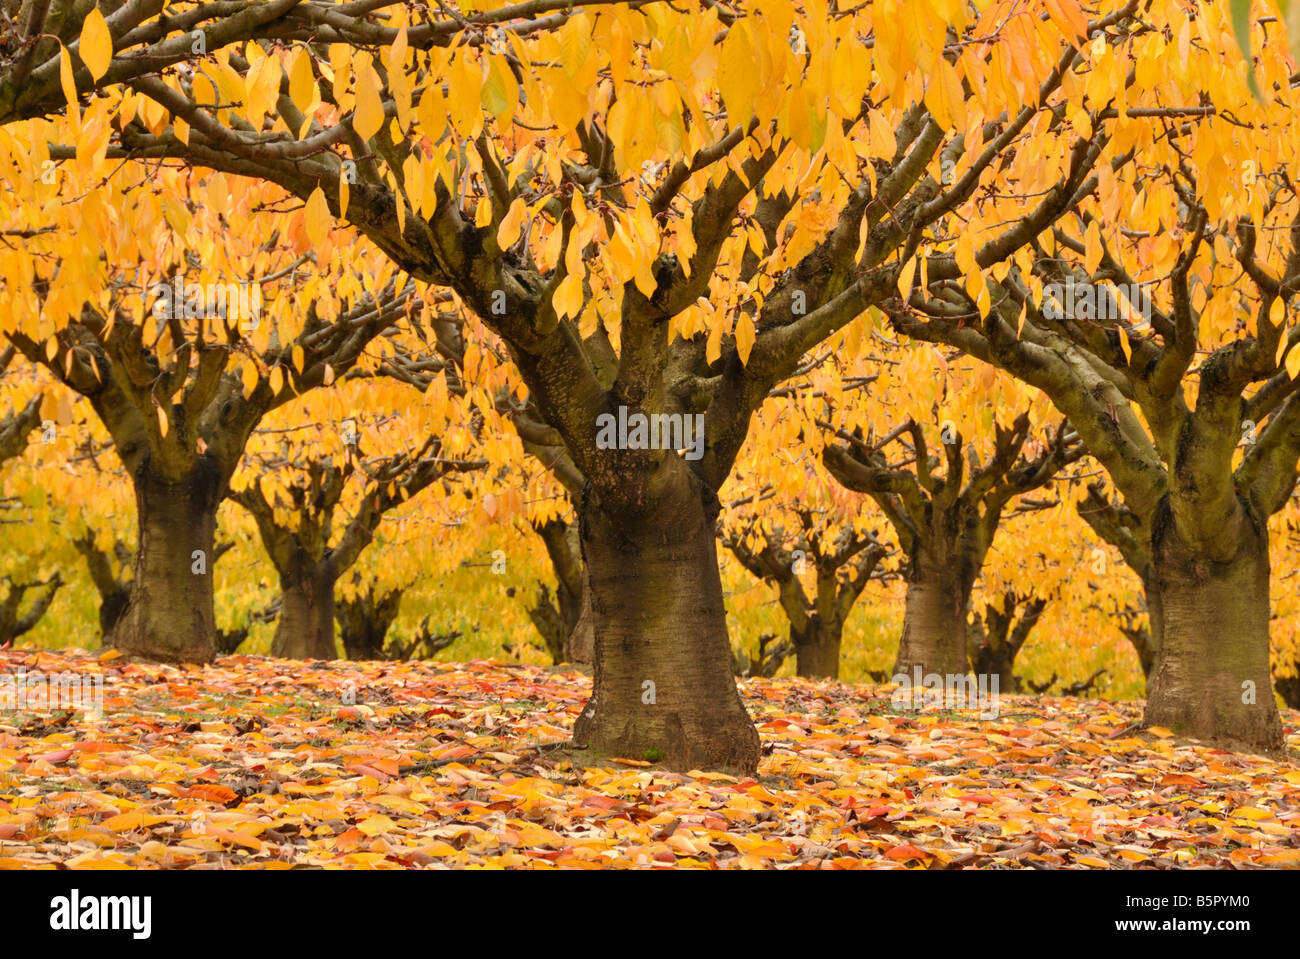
<point x="1293" y="363"/>
<point x="736" y="75"/>
<point x="369" y="115"/>
<point x="376" y="825"/>
<point x="905" y="277"/>
<point x="744" y="337"/>
<point x="317" y="214"/>
<point x="511" y="224"/>
<point x="162" y="420"/>
<point x="66" y="79"/>
<point x="302" y="83"/>
<point x="96" y="47"/>
<point x="568" y="296"/>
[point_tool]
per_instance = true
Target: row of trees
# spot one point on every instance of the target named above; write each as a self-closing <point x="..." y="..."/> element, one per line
<point x="667" y="212"/>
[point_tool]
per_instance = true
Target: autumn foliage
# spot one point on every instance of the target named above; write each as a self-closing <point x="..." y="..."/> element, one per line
<point x="973" y="323"/>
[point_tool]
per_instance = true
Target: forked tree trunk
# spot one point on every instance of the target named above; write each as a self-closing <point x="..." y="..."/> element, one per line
<point x="934" y="625"/>
<point x="663" y="689"/>
<point x="1000" y="661"/>
<point x="169" y="616"/>
<point x="817" y="649"/>
<point x="364" y="623"/>
<point x="1211" y="679"/>
<point x="306" y="626"/>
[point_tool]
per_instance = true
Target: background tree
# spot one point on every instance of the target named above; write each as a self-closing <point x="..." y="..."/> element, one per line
<point x="998" y="633"/>
<point x="180" y="371"/>
<point x="946" y="524"/>
<point x="841" y="560"/>
<point x="1164" y="379"/>
<point x="318" y="495"/>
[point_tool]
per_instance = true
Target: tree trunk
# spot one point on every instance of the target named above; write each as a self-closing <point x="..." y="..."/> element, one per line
<point x="580" y="644"/>
<point x="169" y="616"/>
<point x="364" y="623"/>
<point x="817" y="649"/>
<point x="1211" y="678"/>
<point x="306" y="626"/>
<point x="934" y="626"/>
<point x="1289" y="689"/>
<point x="663" y="689"/>
<point x="1146" y="636"/>
<point x="997" y="659"/>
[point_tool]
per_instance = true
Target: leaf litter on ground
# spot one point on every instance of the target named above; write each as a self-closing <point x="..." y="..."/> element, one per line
<point x="272" y="764"/>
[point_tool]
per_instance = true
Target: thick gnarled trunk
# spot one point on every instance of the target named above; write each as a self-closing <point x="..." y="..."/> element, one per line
<point x="663" y="688"/>
<point x="817" y="648"/>
<point x="169" y="615"/>
<point x="934" y="626"/>
<point x="1211" y="678"/>
<point x="306" y="626"/>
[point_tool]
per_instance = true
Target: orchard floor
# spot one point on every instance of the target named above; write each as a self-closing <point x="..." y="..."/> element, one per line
<point x="261" y="763"/>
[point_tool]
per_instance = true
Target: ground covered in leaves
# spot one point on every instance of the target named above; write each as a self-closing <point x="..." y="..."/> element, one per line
<point x="261" y="763"/>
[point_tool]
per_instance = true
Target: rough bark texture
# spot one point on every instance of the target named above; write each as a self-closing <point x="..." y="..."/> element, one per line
<point x="306" y="626"/>
<point x="934" y="625"/>
<point x="1211" y="680"/>
<point x="580" y="644"/>
<point x="663" y="688"/>
<point x="169" y="615"/>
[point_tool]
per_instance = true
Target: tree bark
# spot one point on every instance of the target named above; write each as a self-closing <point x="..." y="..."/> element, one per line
<point x="364" y="623"/>
<point x="817" y="648"/>
<point x="580" y="644"/>
<point x="169" y="615"/>
<point x="1211" y="679"/>
<point x="1145" y="636"/>
<point x="934" y="625"/>
<point x="306" y="626"/>
<point x="565" y="624"/>
<point x="663" y="688"/>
